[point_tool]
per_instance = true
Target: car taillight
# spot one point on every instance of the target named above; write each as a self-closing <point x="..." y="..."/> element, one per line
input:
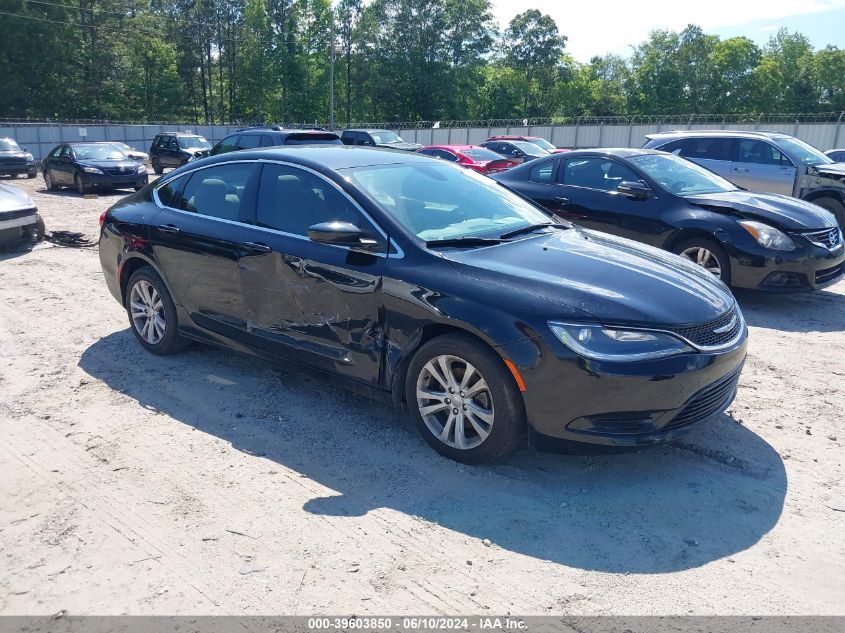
<point x="102" y="218"/>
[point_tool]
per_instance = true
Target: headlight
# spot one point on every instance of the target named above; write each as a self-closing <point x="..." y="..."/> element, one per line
<point x="29" y="157"/>
<point x="602" y="343"/>
<point x="92" y="170"/>
<point x="142" y="169"/>
<point x="769" y="236"/>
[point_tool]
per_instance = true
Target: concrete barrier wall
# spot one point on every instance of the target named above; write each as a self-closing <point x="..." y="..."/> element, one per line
<point x="40" y="138"/>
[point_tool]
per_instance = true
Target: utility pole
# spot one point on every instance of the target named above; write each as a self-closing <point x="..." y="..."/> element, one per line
<point x="331" y="67"/>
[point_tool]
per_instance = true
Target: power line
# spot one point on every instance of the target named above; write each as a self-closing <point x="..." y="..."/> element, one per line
<point x="122" y="13"/>
<point x="104" y="28"/>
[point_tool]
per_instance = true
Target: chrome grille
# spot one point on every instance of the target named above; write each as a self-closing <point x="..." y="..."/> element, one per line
<point x="718" y="332"/>
<point x="119" y="171"/>
<point x="828" y="238"/>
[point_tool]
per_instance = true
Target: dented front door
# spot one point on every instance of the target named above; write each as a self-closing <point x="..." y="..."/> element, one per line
<point x="315" y="303"/>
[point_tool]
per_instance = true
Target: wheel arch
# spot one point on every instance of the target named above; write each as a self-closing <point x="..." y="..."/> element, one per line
<point x="685" y="233"/>
<point x="132" y="263"/>
<point x="825" y="192"/>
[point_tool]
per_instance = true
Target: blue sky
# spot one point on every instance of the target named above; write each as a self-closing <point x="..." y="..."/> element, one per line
<point x="614" y="25"/>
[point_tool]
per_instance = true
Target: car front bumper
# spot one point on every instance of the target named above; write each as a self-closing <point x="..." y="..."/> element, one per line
<point x="109" y="181"/>
<point x="623" y="404"/>
<point x="808" y="267"/>
<point x="19" y="168"/>
<point x="17" y="226"/>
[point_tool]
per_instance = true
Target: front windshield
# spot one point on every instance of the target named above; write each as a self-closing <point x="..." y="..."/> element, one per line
<point x="681" y="176"/>
<point x="193" y="142"/>
<point x="803" y="152"/>
<point x="98" y="152"/>
<point x="8" y="145"/>
<point x="442" y="201"/>
<point x="530" y="148"/>
<point x="543" y="143"/>
<point x="386" y="138"/>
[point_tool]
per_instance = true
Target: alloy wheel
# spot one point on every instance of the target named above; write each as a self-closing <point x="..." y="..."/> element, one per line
<point x="455" y="402"/>
<point x="704" y="258"/>
<point x="146" y="310"/>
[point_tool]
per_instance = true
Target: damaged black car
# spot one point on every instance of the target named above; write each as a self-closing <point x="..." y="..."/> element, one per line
<point x="430" y="286"/>
<point x="761" y="241"/>
<point x="19" y="219"/>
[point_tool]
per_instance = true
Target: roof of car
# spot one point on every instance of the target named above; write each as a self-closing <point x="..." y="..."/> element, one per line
<point x="285" y="132"/>
<point x="621" y="152"/>
<point x="366" y="129"/>
<point x="454" y="148"/>
<point x="322" y="157"/>
<point x="178" y="134"/>
<point x="511" y="137"/>
<point x="744" y="133"/>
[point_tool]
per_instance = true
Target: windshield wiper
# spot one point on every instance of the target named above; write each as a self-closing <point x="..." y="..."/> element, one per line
<point x="464" y="241"/>
<point x="530" y="228"/>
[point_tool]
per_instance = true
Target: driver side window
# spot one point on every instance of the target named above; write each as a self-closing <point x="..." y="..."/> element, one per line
<point x="596" y="173"/>
<point x="292" y="200"/>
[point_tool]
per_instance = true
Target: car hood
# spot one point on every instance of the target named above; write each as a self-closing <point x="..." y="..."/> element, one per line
<point x="14" y="154"/>
<point x="13" y="199"/>
<point x="832" y="169"/>
<point x="616" y="280"/>
<point x="129" y="164"/>
<point x="783" y="212"/>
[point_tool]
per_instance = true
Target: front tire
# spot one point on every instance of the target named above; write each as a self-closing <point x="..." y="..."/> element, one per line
<point x="157" y="168"/>
<point x="835" y="207"/>
<point x="708" y="254"/>
<point x="79" y="183"/>
<point x="49" y="182"/>
<point x="152" y="314"/>
<point x="464" y="400"/>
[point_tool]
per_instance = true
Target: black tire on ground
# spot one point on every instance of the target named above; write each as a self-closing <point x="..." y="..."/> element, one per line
<point x="79" y="183"/>
<point x="171" y="342"/>
<point x="509" y="422"/>
<point x="713" y="247"/>
<point x="157" y="168"/>
<point x="49" y="182"/>
<point x="835" y="207"/>
<point x="39" y="230"/>
<point x="31" y="174"/>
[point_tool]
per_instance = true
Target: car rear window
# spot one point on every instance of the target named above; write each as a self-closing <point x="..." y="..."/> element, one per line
<point x="481" y="153"/>
<point x="312" y="138"/>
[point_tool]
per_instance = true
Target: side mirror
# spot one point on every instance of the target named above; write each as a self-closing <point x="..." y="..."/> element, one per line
<point x="339" y="234"/>
<point x="634" y="189"/>
<point x="65" y="158"/>
<point x="25" y="149"/>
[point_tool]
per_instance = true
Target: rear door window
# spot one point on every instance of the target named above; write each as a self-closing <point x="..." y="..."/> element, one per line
<point x="248" y="141"/>
<point x="596" y="173"/>
<point x="544" y="173"/>
<point x="220" y="191"/>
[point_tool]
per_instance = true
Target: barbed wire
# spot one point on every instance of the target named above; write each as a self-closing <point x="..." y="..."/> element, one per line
<point x="635" y="119"/>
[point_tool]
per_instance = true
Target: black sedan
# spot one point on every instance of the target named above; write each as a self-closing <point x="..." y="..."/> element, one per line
<point x="88" y="166"/>
<point x="750" y="240"/>
<point x="417" y="281"/>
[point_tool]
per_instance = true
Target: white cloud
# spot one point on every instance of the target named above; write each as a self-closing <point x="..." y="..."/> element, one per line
<point x="615" y="25"/>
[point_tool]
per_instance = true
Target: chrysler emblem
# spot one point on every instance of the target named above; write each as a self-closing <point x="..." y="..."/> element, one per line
<point x="122" y="169"/>
<point x="726" y="328"/>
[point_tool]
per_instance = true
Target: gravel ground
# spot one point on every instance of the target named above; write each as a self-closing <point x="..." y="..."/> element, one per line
<point x="210" y="483"/>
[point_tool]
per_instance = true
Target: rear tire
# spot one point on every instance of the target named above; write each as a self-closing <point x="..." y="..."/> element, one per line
<point x="835" y="207"/>
<point x="463" y="400"/>
<point x="152" y="314"/>
<point x="708" y="254"/>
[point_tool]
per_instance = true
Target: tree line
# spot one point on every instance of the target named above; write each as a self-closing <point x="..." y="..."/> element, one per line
<point x="252" y="61"/>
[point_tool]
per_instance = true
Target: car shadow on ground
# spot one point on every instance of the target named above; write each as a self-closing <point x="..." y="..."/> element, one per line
<point x="657" y="510"/>
<point x="819" y="311"/>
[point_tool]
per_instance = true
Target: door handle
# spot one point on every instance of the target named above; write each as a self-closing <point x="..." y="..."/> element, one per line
<point x="562" y="200"/>
<point x="740" y="169"/>
<point x="258" y="247"/>
<point x="168" y="228"/>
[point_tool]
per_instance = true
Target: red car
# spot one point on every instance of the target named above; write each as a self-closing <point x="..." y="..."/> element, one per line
<point x="477" y="158"/>
<point x="536" y="140"/>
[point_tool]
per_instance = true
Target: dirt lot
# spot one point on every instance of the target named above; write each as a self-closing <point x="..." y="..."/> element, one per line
<point x="213" y="483"/>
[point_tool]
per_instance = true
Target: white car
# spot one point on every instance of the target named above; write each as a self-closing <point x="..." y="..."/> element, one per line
<point x="19" y="219"/>
<point x="134" y="154"/>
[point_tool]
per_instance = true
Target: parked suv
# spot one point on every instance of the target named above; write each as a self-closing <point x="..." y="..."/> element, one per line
<point x="763" y="161"/>
<point x="15" y="161"/>
<point x="251" y="138"/>
<point x="377" y="138"/>
<point x="174" y="149"/>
